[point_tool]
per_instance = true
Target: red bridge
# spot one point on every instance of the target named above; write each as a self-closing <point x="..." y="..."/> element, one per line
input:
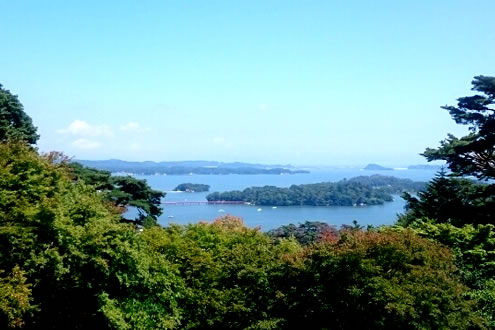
<point x="187" y="203"/>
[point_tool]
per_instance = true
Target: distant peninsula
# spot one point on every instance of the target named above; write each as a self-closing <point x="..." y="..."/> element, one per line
<point x="358" y="191"/>
<point x="425" y="167"/>
<point x="192" y="187"/>
<point x="376" y="167"/>
<point x="188" y="167"/>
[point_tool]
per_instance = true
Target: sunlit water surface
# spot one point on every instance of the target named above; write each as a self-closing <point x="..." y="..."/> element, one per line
<point x="267" y="217"/>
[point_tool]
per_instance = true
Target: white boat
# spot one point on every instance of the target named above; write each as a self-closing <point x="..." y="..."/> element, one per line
<point x="221" y="210"/>
<point x="274" y="207"/>
<point x="259" y="210"/>
<point x="171" y="216"/>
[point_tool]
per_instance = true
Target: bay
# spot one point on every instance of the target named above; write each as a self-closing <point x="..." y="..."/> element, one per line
<point x="267" y="217"/>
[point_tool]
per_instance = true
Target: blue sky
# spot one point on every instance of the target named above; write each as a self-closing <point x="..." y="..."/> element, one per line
<point x="301" y="82"/>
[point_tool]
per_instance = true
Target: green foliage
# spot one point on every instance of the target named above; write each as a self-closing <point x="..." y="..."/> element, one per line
<point x="357" y="191"/>
<point x="101" y="180"/>
<point x="227" y="269"/>
<point x="453" y="200"/>
<point x="66" y="262"/>
<point x="74" y="261"/>
<point x="123" y="191"/>
<point x="15" y="298"/>
<point x="473" y="154"/>
<point x="137" y="193"/>
<point x="376" y="280"/>
<point x="458" y="212"/>
<point x="15" y="124"/>
<point x="305" y="233"/>
<point x="473" y="246"/>
<point x="474" y="249"/>
<point x="485" y="295"/>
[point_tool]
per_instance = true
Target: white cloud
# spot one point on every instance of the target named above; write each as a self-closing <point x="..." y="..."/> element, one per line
<point x="82" y="128"/>
<point x="86" y="144"/>
<point x="133" y="126"/>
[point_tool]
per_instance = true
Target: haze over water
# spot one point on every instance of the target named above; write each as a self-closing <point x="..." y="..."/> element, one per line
<point x="269" y="218"/>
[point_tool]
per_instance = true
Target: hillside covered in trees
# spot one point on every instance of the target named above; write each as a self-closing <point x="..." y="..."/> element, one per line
<point x="68" y="259"/>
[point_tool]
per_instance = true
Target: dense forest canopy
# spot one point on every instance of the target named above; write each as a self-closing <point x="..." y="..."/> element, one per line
<point x="451" y="199"/>
<point x="69" y="259"/>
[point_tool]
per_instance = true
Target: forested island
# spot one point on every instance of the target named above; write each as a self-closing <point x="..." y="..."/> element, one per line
<point x="358" y="191"/>
<point x="188" y="167"/>
<point x="192" y="187"/>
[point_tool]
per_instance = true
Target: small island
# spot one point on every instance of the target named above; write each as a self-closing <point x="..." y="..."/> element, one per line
<point x="376" y="167"/>
<point x="192" y="187"/>
<point x="358" y="191"/>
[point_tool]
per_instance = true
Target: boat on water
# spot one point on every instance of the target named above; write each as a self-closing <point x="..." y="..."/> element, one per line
<point x="171" y="216"/>
<point x="259" y="210"/>
<point x="221" y="210"/>
<point x="274" y="207"/>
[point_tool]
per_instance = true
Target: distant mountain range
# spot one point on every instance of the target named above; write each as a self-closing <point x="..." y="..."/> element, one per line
<point x="187" y="167"/>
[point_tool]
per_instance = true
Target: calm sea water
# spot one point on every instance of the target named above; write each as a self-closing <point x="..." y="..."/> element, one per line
<point x="267" y="217"/>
